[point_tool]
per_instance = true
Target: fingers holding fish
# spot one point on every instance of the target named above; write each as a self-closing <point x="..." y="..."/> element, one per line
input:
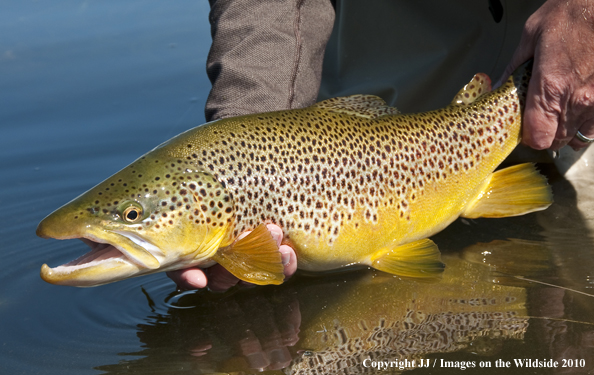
<point x="582" y="139"/>
<point x="560" y="38"/>
<point x="289" y="260"/>
<point x="545" y="115"/>
<point x="288" y="256"/>
<point x="190" y="278"/>
<point x="217" y="278"/>
<point x="580" y="130"/>
<point x="555" y="112"/>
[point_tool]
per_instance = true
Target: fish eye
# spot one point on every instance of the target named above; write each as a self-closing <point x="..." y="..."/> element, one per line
<point x="131" y="212"/>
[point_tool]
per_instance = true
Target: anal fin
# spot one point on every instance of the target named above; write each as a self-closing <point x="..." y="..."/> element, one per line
<point x="512" y="191"/>
<point x="420" y="259"/>
<point x="254" y="258"/>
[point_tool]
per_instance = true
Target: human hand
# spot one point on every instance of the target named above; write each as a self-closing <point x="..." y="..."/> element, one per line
<point x="559" y="36"/>
<point x="218" y="278"/>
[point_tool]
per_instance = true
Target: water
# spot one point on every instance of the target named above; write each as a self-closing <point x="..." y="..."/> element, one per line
<point x="89" y="86"/>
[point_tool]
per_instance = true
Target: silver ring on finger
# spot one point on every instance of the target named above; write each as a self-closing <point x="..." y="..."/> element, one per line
<point x="583" y="138"/>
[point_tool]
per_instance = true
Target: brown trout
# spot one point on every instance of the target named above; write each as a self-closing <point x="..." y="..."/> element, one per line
<point x="349" y="180"/>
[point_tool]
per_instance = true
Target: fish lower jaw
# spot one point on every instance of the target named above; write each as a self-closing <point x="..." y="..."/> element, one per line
<point x="104" y="263"/>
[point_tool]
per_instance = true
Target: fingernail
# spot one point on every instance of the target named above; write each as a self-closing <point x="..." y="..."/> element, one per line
<point x="286" y="257"/>
<point x="278" y="237"/>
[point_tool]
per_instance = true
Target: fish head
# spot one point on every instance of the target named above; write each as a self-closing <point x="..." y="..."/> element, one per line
<point x="158" y="214"/>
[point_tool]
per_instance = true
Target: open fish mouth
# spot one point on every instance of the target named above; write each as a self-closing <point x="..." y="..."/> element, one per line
<point x="100" y="253"/>
<point x="106" y="262"/>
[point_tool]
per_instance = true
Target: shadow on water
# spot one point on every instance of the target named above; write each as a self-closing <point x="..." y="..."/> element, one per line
<point x="500" y="298"/>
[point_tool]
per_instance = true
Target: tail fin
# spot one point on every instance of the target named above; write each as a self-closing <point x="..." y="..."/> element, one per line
<point x="512" y="191"/>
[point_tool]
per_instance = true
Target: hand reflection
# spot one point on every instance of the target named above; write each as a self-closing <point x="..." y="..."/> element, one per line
<point x="270" y="352"/>
<point x="258" y="330"/>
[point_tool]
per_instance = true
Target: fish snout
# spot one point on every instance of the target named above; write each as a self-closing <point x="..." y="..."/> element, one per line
<point x="45" y="229"/>
<point x="63" y="223"/>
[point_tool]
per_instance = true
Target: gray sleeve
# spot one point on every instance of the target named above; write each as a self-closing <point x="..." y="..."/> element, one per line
<point x="266" y="55"/>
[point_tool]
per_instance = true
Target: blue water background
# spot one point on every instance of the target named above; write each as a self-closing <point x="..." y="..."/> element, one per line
<point x="85" y="88"/>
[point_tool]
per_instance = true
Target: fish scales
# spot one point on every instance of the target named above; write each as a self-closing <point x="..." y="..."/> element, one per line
<point x="349" y="180"/>
<point x="329" y="177"/>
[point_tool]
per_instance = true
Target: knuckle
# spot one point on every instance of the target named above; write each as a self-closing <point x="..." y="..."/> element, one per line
<point x="553" y="87"/>
<point x="533" y="21"/>
<point x="530" y="26"/>
<point x="583" y="100"/>
<point x="540" y="144"/>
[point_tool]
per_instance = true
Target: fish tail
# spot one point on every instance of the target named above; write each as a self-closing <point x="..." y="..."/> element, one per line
<point x="512" y="191"/>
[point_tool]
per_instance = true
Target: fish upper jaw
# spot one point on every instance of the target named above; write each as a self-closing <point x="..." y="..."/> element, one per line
<point x="147" y="246"/>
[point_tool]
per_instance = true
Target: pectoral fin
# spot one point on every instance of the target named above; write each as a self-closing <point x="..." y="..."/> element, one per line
<point x="416" y="259"/>
<point x="512" y="191"/>
<point x="254" y="258"/>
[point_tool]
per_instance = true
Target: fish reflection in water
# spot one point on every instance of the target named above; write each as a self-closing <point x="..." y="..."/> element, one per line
<point x="486" y="306"/>
<point x="390" y="319"/>
<point x="327" y="325"/>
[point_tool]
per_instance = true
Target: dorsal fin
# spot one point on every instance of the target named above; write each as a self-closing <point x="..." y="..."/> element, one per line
<point x="368" y="106"/>
<point x="478" y="85"/>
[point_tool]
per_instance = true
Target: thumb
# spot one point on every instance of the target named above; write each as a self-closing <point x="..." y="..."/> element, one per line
<point x="541" y="118"/>
<point x="523" y="53"/>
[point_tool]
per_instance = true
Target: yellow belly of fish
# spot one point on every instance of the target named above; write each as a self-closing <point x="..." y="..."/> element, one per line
<point x="434" y="208"/>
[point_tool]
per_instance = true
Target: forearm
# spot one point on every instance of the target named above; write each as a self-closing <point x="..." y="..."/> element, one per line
<point x="266" y="55"/>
